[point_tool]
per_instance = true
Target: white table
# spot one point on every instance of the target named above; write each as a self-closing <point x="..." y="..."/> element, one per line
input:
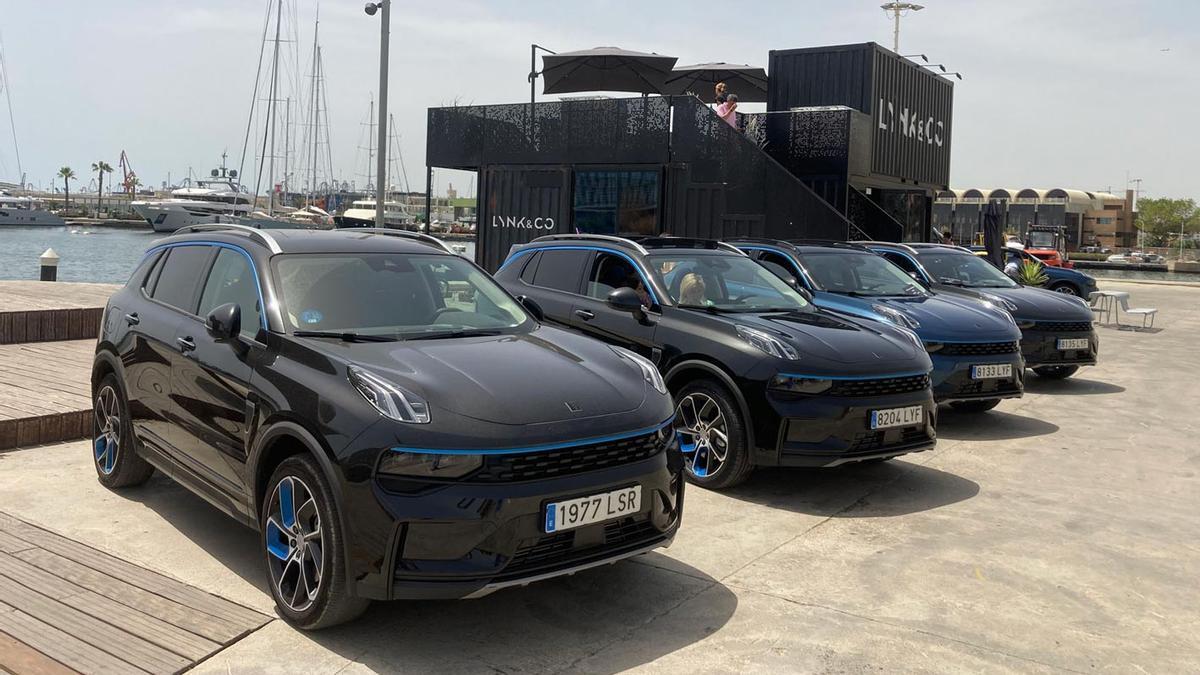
<point x="1106" y="302"/>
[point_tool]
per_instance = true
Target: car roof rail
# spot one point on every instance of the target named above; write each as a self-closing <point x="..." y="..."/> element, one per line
<point x="903" y="247"/>
<point x="607" y="238"/>
<point x="831" y="243"/>
<point x="406" y="234"/>
<point x="934" y="244"/>
<point x="262" y="237"/>
<point x="757" y="240"/>
<point x="688" y="242"/>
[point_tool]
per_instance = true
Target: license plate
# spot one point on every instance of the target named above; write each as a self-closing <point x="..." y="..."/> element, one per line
<point x="572" y="513"/>
<point x="1072" y="343"/>
<point x="991" y="371"/>
<point x="897" y="417"/>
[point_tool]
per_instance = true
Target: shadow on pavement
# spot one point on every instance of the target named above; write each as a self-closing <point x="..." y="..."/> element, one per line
<point x="1072" y="386"/>
<point x="893" y="488"/>
<point x="549" y="625"/>
<point x="994" y="425"/>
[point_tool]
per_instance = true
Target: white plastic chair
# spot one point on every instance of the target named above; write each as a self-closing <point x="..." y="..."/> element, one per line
<point x="1101" y="304"/>
<point x="1145" y="312"/>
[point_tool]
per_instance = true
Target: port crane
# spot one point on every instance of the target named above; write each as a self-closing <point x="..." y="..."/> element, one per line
<point x="128" y="177"/>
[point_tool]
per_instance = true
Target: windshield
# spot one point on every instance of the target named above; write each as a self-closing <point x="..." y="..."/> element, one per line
<point x="1042" y="239"/>
<point x="852" y="273"/>
<point x="964" y="269"/>
<point x="396" y="295"/>
<point x="730" y="283"/>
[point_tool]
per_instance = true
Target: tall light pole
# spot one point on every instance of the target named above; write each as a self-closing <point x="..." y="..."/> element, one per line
<point x="896" y="8"/>
<point x="381" y="151"/>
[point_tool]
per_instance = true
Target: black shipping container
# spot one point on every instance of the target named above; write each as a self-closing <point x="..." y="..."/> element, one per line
<point x="518" y="204"/>
<point x="910" y="107"/>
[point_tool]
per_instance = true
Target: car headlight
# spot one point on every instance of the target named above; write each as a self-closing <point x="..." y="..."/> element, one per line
<point x="765" y="342"/>
<point x="392" y="401"/>
<point x="795" y="384"/>
<point x="649" y="371"/>
<point x="428" y="464"/>
<point x="912" y="337"/>
<point x="895" y="316"/>
<point x="999" y="301"/>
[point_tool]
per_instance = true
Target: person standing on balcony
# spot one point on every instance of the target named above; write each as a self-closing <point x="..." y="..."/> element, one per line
<point x="719" y="95"/>
<point x="728" y="110"/>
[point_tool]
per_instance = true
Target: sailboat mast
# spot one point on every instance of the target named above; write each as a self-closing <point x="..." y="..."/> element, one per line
<point x="271" y="111"/>
<point x="287" y="141"/>
<point x="315" y="111"/>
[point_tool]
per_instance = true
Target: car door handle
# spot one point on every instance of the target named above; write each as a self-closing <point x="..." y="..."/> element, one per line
<point x="585" y="314"/>
<point x="132" y="319"/>
<point x="186" y="344"/>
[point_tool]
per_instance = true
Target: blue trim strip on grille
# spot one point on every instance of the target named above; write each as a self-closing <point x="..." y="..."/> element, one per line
<point x="892" y="376"/>
<point x="535" y="448"/>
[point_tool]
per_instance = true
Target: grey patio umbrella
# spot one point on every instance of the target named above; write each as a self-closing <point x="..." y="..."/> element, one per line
<point x="993" y="234"/>
<point x="748" y="82"/>
<point x="605" y="69"/>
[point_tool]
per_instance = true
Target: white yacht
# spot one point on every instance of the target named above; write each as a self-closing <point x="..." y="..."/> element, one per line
<point x="362" y="214"/>
<point x="25" y="212"/>
<point x="217" y="196"/>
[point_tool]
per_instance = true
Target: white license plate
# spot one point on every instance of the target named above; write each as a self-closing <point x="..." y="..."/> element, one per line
<point x="897" y="417"/>
<point x="1072" y="343"/>
<point x="572" y="513"/>
<point x="991" y="371"/>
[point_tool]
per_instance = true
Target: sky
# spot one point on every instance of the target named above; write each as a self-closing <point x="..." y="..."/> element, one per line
<point x="1055" y="93"/>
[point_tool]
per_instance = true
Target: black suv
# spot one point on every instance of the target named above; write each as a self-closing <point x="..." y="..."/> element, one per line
<point x="760" y="375"/>
<point x="393" y="422"/>
<point x="1057" y="335"/>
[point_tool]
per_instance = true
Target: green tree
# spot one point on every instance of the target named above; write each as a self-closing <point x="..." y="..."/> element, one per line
<point x="100" y="168"/>
<point x="1162" y="219"/>
<point x="67" y="174"/>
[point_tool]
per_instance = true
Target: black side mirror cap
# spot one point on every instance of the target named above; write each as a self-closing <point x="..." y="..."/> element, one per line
<point x="532" y="307"/>
<point x="224" y="322"/>
<point x="807" y="294"/>
<point x="625" y="299"/>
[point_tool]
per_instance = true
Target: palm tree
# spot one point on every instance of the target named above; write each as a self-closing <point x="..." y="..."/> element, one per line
<point x="100" y="167"/>
<point x="67" y="174"/>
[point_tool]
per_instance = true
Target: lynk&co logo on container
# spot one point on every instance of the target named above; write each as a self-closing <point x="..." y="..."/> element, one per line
<point x="522" y="223"/>
<point x="912" y="125"/>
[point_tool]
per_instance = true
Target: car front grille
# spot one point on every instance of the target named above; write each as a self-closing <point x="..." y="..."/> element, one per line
<point x="879" y="387"/>
<point x="870" y="441"/>
<point x="978" y="348"/>
<point x="558" y="549"/>
<point x="981" y="387"/>
<point x="1063" y="326"/>
<point x="567" y="461"/>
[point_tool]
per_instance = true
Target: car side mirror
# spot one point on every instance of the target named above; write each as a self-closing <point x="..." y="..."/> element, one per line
<point x="532" y="307"/>
<point x="625" y="299"/>
<point x="804" y="292"/>
<point x="224" y="322"/>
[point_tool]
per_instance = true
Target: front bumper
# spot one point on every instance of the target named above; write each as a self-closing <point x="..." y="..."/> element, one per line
<point x="1040" y="348"/>
<point x="952" y="378"/>
<point x="464" y="539"/>
<point x="826" y="431"/>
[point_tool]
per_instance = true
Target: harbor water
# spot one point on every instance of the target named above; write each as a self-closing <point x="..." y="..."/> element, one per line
<point x="88" y="253"/>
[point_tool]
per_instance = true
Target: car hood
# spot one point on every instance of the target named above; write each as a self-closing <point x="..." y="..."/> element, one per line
<point x="831" y="343"/>
<point x="941" y="317"/>
<point x="1033" y="304"/>
<point x="545" y="375"/>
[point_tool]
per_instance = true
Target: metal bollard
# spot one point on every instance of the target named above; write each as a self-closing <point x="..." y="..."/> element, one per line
<point x="49" y="261"/>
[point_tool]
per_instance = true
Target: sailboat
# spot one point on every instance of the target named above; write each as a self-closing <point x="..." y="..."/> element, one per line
<point x="15" y="209"/>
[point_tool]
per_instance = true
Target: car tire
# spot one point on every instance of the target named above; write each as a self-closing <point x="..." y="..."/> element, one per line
<point x="299" y="509"/>
<point x="1066" y="288"/>
<point x="113" y="453"/>
<point x="1055" y="372"/>
<point x="975" y="406"/>
<point x="700" y="402"/>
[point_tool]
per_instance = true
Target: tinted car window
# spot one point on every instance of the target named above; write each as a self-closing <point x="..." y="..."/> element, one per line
<point x="232" y="281"/>
<point x="179" y="276"/>
<point x="531" y="266"/>
<point x="900" y="261"/>
<point x="610" y="272"/>
<point x="727" y="282"/>
<point x="144" y="268"/>
<point x="560" y="270"/>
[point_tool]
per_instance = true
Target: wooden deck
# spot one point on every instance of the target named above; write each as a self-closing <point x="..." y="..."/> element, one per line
<point x="66" y="606"/>
<point x="39" y="311"/>
<point x="45" y="392"/>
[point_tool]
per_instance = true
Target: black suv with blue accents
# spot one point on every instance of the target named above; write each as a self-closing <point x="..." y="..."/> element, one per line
<point x="392" y="421"/>
<point x="1057" y="335"/>
<point x="761" y="376"/>
<point x="975" y="347"/>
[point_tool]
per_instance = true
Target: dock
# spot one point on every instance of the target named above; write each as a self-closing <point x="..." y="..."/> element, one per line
<point x="47" y="338"/>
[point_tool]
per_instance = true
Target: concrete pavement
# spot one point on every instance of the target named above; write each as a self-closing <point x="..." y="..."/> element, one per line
<point x="1058" y="533"/>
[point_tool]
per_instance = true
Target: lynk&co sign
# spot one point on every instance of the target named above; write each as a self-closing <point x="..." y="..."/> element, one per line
<point x="522" y="223"/>
<point x="911" y="124"/>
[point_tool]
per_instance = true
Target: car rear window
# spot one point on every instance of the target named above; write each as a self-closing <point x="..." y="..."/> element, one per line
<point x="181" y="275"/>
<point x="560" y="270"/>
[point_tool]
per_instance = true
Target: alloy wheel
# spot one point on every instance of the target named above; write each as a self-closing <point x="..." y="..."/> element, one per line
<point x="295" y="544"/>
<point x="1065" y="289"/>
<point x="107" y="433"/>
<point x="704" y="435"/>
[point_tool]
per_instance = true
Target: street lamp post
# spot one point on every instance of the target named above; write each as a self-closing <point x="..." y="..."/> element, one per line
<point x="896" y="8"/>
<point x="381" y="150"/>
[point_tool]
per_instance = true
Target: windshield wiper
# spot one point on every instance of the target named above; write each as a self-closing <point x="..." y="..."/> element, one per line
<point x="461" y="332"/>
<point x="856" y="294"/>
<point x="344" y="337"/>
<point x="713" y="309"/>
<point x="951" y="281"/>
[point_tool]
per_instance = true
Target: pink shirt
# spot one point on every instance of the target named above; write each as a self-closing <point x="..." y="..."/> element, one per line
<point x="728" y="112"/>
